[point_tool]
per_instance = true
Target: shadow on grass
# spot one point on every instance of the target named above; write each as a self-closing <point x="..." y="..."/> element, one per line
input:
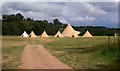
<point x="106" y="52"/>
<point x="113" y="65"/>
<point x="84" y="50"/>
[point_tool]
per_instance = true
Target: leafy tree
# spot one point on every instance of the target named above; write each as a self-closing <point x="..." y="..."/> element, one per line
<point x="5" y="29"/>
<point x="15" y="24"/>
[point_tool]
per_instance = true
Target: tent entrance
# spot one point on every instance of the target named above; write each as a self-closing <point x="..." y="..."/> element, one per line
<point x="57" y="35"/>
<point x="73" y="36"/>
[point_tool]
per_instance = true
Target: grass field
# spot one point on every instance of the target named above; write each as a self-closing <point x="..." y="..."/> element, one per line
<point x="79" y="53"/>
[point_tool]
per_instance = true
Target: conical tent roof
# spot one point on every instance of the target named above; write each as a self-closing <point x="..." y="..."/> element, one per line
<point x="44" y="34"/>
<point x="74" y="34"/>
<point x="32" y="34"/>
<point x="58" y="34"/>
<point x="87" y="34"/>
<point x="24" y="34"/>
<point x="68" y="31"/>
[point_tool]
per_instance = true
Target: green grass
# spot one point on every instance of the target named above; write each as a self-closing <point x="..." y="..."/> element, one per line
<point x="11" y="58"/>
<point x="79" y="53"/>
<point x="108" y="52"/>
<point x="11" y="52"/>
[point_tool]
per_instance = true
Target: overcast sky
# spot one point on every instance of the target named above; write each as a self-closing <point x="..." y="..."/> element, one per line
<point x="75" y="13"/>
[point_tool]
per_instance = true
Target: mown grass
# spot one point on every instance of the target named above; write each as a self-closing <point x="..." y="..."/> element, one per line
<point x="79" y="53"/>
<point x="12" y="48"/>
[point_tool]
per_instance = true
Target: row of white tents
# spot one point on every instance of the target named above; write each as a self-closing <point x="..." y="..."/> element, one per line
<point x="69" y="31"/>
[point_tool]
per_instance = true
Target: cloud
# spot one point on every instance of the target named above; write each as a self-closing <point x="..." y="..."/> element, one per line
<point x="63" y="21"/>
<point x="90" y="18"/>
<point x="81" y="9"/>
<point x="76" y="13"/>
<point x="0" y="10"/>
<point x="60" y="0"/>
<point x="77" y="19"/>
<point x="108" y="8"/>
<point x="54" y="9"/>
<point x="87" y="18"/>
<point x="33" y="10"/>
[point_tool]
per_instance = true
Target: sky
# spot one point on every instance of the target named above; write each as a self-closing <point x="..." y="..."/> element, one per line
<point x="75" y="13"/>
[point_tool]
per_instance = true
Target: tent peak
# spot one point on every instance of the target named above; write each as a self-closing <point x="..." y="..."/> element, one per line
<point x="44" y="34"/>
<point x="87" y="34"/>
<point x="58" y="34"/>
<point x="68" y="24"/>
<point x="68" y="31"/>
<point x="24" y="34"/>
<point x="32" y="34"/>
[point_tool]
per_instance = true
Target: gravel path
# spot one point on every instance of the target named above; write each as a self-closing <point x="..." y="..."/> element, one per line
<point x="37" y="57"/>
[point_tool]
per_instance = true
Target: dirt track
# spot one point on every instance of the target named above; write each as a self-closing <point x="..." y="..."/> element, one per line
<point x="37" y="57"/>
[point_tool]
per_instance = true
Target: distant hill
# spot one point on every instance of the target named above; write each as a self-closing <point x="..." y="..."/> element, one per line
<point x="15" y="24"/>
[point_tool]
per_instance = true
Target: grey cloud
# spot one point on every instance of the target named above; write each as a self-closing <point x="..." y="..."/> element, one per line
<point x="55" y="9"/>
<point x="0" y="10"/>
<point x="112" y="7"/>
<point x="60" y="0"/>
<point x="63" y="11"/>
<point x="87" y="18"/>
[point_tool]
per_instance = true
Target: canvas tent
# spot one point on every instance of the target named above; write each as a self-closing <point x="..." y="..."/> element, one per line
<point x="32" y="34"/>
<point x="87" y="34"/>
<point x="24" y="34"/>
<point x="58" y="34"/>
<point x="44" y="34"/>
<point x="74" y="34"/>
<point x="69" y="30"/>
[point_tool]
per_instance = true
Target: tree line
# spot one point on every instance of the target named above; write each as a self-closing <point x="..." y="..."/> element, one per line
<point x="15" y="24"/>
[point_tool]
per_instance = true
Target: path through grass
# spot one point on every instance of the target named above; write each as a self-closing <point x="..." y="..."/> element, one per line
<point x="75" y="52"/>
